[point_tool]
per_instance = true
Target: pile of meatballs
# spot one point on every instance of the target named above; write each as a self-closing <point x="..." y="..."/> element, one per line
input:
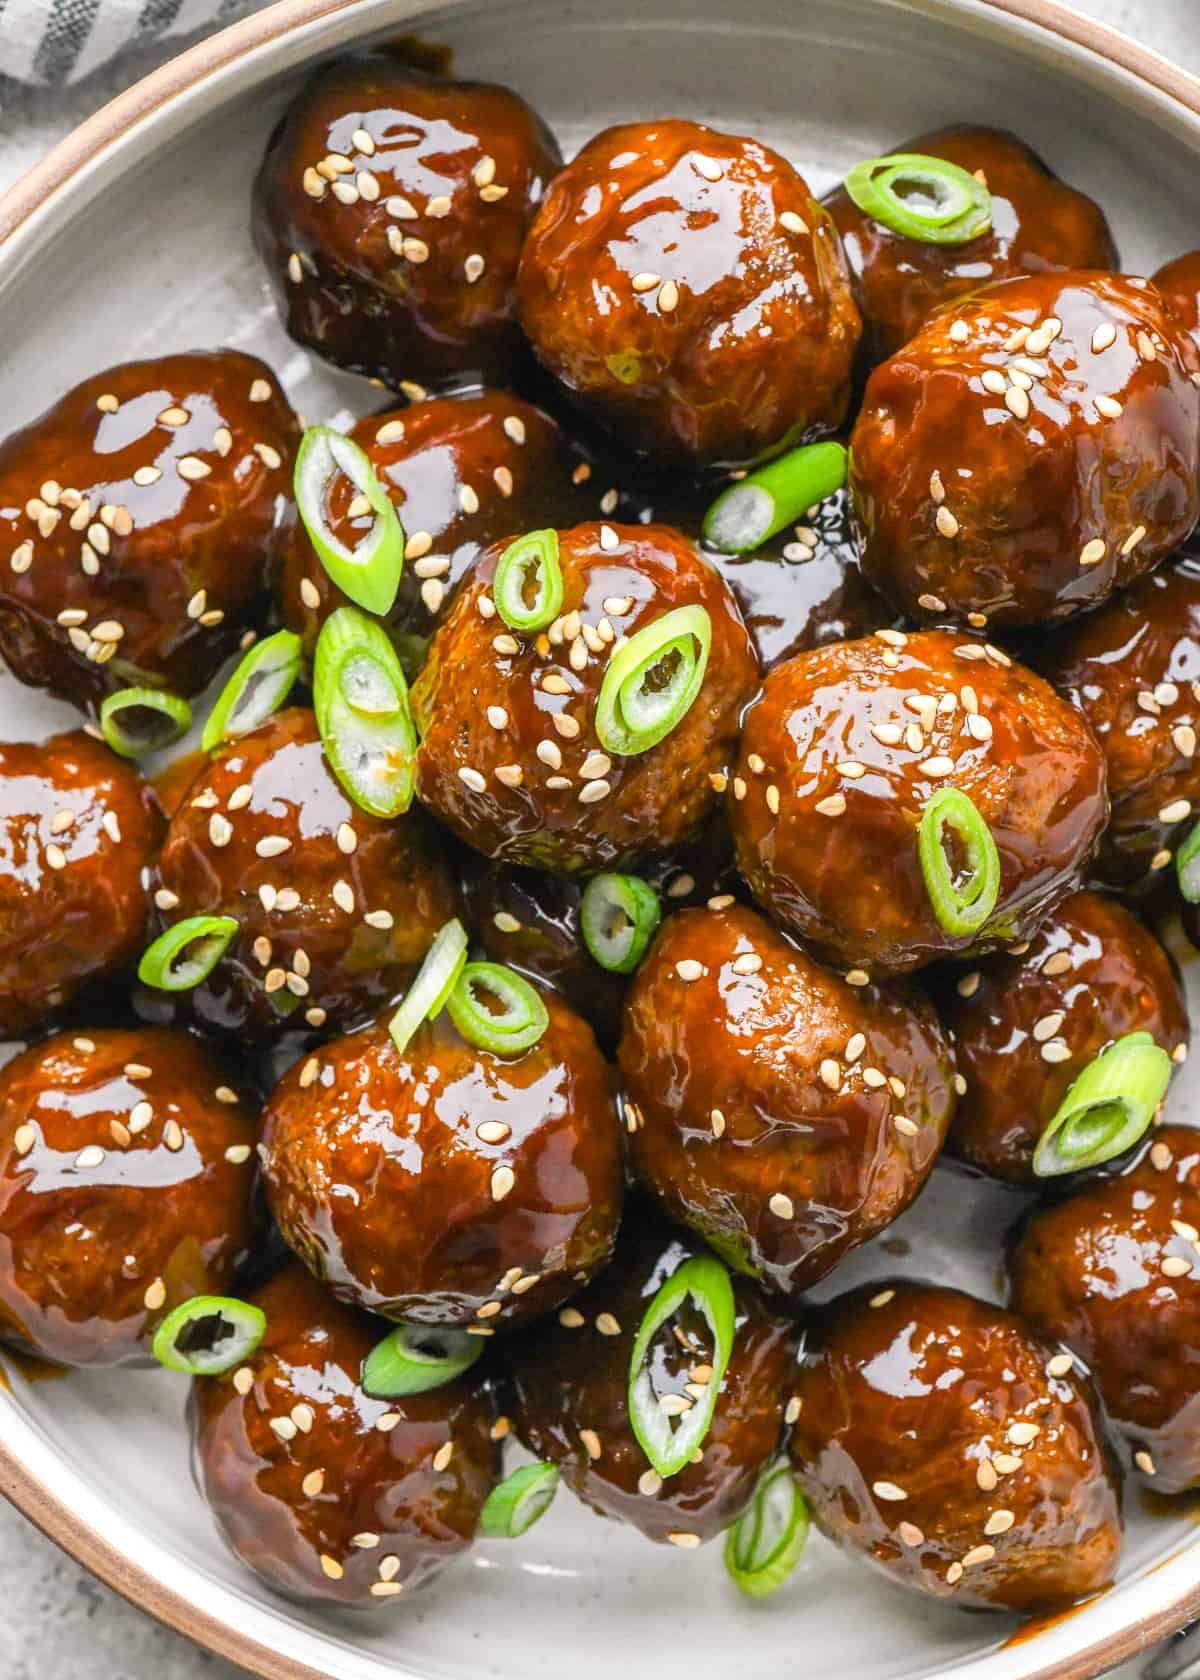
<point x="1000" y="601"/>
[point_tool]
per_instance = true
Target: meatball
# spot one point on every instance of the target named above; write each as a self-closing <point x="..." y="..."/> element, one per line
<point x="1025" y="1026"/>
<point x="690" y="293"/>
<point x="1038" y="223"/>
<point x="390" y="210"/>
<point x="78" y="832"/>
<point x="945" y="1442"/>
<point x="845" y="749"/>
<point x="139" y="515"/>
<point x="1133" y="671"/>
<point x="510" y="758"/>
<point x="1113" y="1271"/>
<point x="568" y="1390"/>
<point x="783" y="1114"/>
<point x="1030" y="451"/>
<point x="448" y="1184"/>
<point x="335" y="908"/>
<point x="325" y="1493"/>
<point x="1179" y="283"/>
<point x="126" y="1180"/>
<point x="463" y="472"/>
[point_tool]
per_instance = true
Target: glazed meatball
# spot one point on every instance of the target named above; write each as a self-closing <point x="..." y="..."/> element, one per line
<point x="784" y="1115"/>
<point x="390" y="211"/>
<point x="568" y="1390"/>
<point x="139" y="515"/>
<point x="1179" y="283"/>
<point x="1026" y="1026"/>
<point x="690" y="293"/>
<point x="78" y="833"/>
<point x="463" y="472"/>
<point x="845" y="749"/>
<point x="1113" y="1271"/>
<point x="126" y="1179"/>
<point x="448" y="1184"/>
<point x="1038" y="223"/>
<point x="942" y="1440"/>
<point x="1133" y="671"/>
<point x="510" y="759"/>
<point x="1034" y="448"/>
<point x="327" y="1494"/>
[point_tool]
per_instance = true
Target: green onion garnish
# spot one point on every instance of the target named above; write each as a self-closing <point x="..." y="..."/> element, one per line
<point x="1107" y="1108"/>
<point x="258" y="687"/>
<point x="922" y="198"/>
<point x="369" y="573"/>
<point x="764" y="1545"/>
<point x="436" y="979"/>
<point x="516" y="1503"/>
<point x="778" y="494"/>
<point x="652" y="680"/>
<point x="528" y="585"/>
<point x="186" y="953"/>
<point x="705" y="1280"/>
<point x="416" y="1357"/>
<point x="208" y="1334"/>
<point x="1187" y="866"/>
<point x="361" y="702"/>
<point x="618" y="915"/>
<point x="142" y="720"/>
<point x="495" y="1008"/>
<point x="963" y="894"/>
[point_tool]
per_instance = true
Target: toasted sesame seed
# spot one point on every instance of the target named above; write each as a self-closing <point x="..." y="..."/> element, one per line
<point x="946" y="523"/>
<point x="24" y="1139"/>
<point x="1057" y="963"/>
<point x="781" y="1206"/>
<point x="792" y="222"/>
<point x="1108" y="407"/>
<point x="1092" y="552"/>
<point x="882" y="1299"/>
<point x="173" y="1136"/>
<point x="1144" y="1462"/>
<point x="985" y="1475"/>
<point x="1176" y="811"/>
<point x="910" y="1534"/>
<point x="936" y="767"/>
<point x="1022" y="1434"/>
<point x="689" y="969"/>
<point x="1060" y="1366"/>
<point x="857" y="977"/>
<point x="1006" y="1463"/>
<point x="686" y="1542"/>
<point x="978" y="1554"/>
<point x="1133" y="539"/>
<point x="1047" y="1026"/>
<point x="888" y="1491"/>
<point x="646" y="281"/>
<point x="716" y="1121"/>
<point x="1175" y="1266"/>
<point x="473" y="268"/>
<point x="831" y="1073"/>
<point x="386" y="1422"/>
<point x="1056" y="1051"/>
<point x="503" y="1179"/>
<point x="969" y="984"/>
<point x="832" y="806"/>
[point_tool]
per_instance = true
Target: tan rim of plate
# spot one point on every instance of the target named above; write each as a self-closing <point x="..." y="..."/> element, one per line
<point x="32" y="1497"/>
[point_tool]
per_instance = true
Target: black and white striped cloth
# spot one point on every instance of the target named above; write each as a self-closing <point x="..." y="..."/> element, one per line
<point x="54" y="41"/>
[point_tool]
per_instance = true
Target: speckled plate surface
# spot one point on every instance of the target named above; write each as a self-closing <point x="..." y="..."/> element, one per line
<point x="132" y="240"/>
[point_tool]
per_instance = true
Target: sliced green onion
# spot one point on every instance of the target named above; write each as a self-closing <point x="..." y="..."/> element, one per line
<point x="1187" y="866"/>
<point x="516" y="1503"/>
<point x="1107" y="1108"/>
<point x="705" y="1280"/>
<point x="416" y="1357"/>
<point x="528" y="585"/>
<point x="618" y="915"/>
<point x="258" y="687"/>
<point x="922" y="198"/>
<point x="361" y="701"/>
<point x="764" y="1545"/>
<point x="652" y="680"/>
<point x="142" y="720"/>
<point x="369" y="573"/>
<point x="186" y="953"/>
<point x="436" y="979"/>
<point x="515" y="1025"/>
<point x="208" y="1334"/>
<point x="778" y="494"/>
<point x="962" y="897"/>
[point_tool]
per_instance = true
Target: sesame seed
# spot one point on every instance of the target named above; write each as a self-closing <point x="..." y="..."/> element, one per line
<point x="687" y="1542"/>
<point x="1133" y="539"/>
<point x="855" y="1045"/>
<point x="1058" y="963"/>
<point x="792" y="222"/>
<point x="1144" y="1462"/>
<point x="24" y="1139"/>
<point x="910" y="1534"/>
<point x="994" y="382"/>
<point x="502" y="1182"/>
<point x="937" y="766"/>
<point x="649" y="1483"/>
<point x="220" y="830"/>
<point x="173" y="1136"/>
<point x="831" y="1073"/>
<point x="1104" y="336"/>
<point x="1056" y="1051"/>
<point x="347" y="839"/>
<point x="505" y="644"/>
<point x="689" y="969"/>
<point x="192" y="467"/>
<point x="716" y="1121"/>
<point x="887" y="734"/>
<point x="1047" y="1026"/>
<point x="56" y="857"/>
<point x="237" y="1153"/>
<point x="873" y="1078"/>
<point x="1175" y="1266"/>
<point x="931" y="603"/>
<point x="781" y="1206"/>
<point x="386" y="1422"/>
<point x="985" y="1476"/>
<point x="978" y="1554"/>
<point x="1092" y="552"/>
<point x="473" y="268"/>
<point x="591" y="1443"/>
<point x="954" y="1574"/>
<point x="1006" y="1463"/>
<point x="946" y="523"/>
<point x="833" y="806"/>
<point x="646" y="281"/>
<point x="295" y="275"/>
<point x="330" y="1565"/>
<point x="959" y="332"/>
<point x="510" y="775"/>
<point x="272" y="845"/>
<point x="1176" y="811"/>
<point x="571" y="1318"/>
<point x="888" y="1491"/>
<point x="1060" y="1366"/>
<point x="1023" y="1434"/>
<point x="1108" y="407"/>
<point x="857" y="977"/>
<point x="668" y="297"/>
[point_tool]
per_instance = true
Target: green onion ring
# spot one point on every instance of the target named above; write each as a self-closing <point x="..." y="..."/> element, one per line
<point x="1187" y="866"/>
<point x="516" y="1503"/>
<point x="706" y="1281"/>
<point x="619" y="915"/>
<point x="673" y="650"/>
<point x="747" y="513"/>
<point x="186" y="953"/>
<point x="361" y="700"/>
<point x="1107" y="1108"/>
<point x="370" y="572"/>
<point x="961" y="909"/>
<point x="764" y="1545"/>
<point x="530" y="562"/>
<point x="208" y="1335"/>
<point x="258" y="687"/>
<point x="436" y="979"/>
<point x="961" y="206"/>
<point x="170" y="717"/>
<point x="417" y="1357"/>
<point x="516" y="1026"/>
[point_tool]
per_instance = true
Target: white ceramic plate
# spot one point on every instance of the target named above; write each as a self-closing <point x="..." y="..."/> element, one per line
<point x="134" y="241"/>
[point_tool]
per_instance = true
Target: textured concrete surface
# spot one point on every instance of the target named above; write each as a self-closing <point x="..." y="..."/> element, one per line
<point x="61" y="1621"/>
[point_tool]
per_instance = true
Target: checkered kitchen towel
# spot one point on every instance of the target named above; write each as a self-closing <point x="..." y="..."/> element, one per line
<point x="53" y="41"/>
